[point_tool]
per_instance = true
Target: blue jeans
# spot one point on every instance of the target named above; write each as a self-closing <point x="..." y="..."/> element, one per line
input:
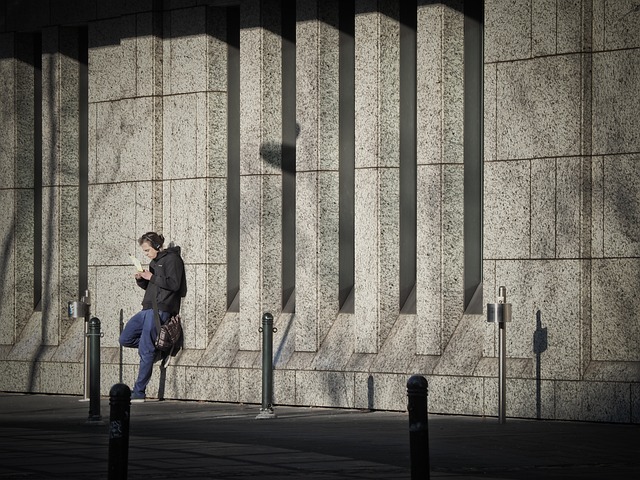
<point x="140" y="333"/>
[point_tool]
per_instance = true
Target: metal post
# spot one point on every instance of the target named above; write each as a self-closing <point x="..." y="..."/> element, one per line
<point x="120" y="402"/>
<point x="502" y="372"/>
<point x="417" y="393"/>
<point x="266" y="411"/>
<point x="94" y="370"/>
<point x="86" y="301"/>
<point x="500" y="312"/>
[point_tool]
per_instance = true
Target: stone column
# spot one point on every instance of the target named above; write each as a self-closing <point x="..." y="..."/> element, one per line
<point x="440" y="253"/>
<point x="60" y="178"/>
<point x="260" y="172"/>
<point x="125" y="158"/>
<point x="317" y="256"/>
<point x="194" y="160"/>
<point x="377" y="160"/>
<point x="8" y="120"/>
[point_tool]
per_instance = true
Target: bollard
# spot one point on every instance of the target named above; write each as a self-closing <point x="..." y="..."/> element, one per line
<point x="81" y="309"/>
<point x="94" y="371"/>
<point x="86" y="302"/>
<point x="500" y="312"/>
<point x="120" y="345"/>
<point x="266" y="411"/>
<point x="417" y="392"/>
<point x="120" y="402"/>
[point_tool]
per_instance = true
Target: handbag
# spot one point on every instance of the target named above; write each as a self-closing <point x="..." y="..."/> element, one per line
<point x="170" y="334"/>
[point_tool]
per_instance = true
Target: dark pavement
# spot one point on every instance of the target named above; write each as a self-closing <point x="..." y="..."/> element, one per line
<point x="47" y="436"/>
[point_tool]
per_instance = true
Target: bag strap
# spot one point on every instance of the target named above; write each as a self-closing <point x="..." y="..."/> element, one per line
<point x="156" y="318"/>
<point x="156" y="315"/>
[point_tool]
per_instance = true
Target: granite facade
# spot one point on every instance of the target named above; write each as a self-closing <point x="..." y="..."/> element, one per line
<point x="560" y="206"/>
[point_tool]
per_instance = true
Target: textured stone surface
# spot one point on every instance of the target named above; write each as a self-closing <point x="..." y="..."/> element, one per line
<point x="184" y="136"/>
<point x="380" y="391"/>
<point x="184" y="218"/>
<point x="220" y="383"/>
<point x="112" y="68"/>
<point x="507" y="207"/>
<point x="7" y="110"/>
<point x="538" y="108"/>
<point x="24" y="256"/>
<point x="549" y="293"/>
<point x="592" y="401"/>
<point x="123" y="138"/>
<point x="112" y="209"/>
<point x="429" y="83"/>
<point x="260" y="152"/>
<point x="621" y="209"/>
<point x="616" y="126"/>
<point x="429" y="260"/>
<point x="543" y="208"/>
<point x="330" y="389"/>
<point x="507" y="30"/>
<point x="376" y="190"/>
<point x="7" y="271"/>
<point x="569" y="207"/>
<point x="543" y="27"/>
<point x="456" y="395"/>
<point x="185" y="51"/>
<point x="317" y="194"/>
<point x="524" y="398"/>
<point x="615" y="278"/>
<point x="620" y="21"/>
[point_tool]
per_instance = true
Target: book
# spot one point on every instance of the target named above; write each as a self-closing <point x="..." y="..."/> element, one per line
<point x="136" y="263"/>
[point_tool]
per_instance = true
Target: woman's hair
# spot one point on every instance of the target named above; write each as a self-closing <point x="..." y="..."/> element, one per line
<point x="154" y="239"/>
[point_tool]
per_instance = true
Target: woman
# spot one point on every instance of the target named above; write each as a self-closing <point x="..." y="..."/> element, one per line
<point x="165" y="280"/>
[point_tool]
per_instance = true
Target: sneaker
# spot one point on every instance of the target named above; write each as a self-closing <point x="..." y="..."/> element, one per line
<point x="137" y="398"/>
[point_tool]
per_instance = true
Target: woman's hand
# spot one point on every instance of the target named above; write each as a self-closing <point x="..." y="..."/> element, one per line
<point x="145" y="274"/>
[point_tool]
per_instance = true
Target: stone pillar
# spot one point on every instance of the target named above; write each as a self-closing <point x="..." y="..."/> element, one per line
<point x="440" y="253"/>
<point x="377" y="161"/>
<point x="8" y="120"/>
<point x="125" y="157"/>
<point x="60" y="178"/>
<point x="317" y="256"/>
<point x="260" y="172"/>
<point x="194" y="160"/>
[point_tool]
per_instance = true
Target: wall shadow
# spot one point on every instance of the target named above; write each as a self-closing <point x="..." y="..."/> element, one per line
<point x="540" y="345"/>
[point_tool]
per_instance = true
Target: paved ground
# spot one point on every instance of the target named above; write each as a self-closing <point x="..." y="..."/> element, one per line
<point x="43" y="437"/>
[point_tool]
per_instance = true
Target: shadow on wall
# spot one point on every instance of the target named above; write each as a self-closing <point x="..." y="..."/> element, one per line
<point x="540" y="345"/>
<point x="49" y="280"/>
<point x="280" y="155"/>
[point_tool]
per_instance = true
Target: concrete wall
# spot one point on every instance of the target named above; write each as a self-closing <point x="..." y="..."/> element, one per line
<point x="560" y="201"/>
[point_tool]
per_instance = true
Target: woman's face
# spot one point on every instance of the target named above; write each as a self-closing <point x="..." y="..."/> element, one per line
<point x="148" y="250"/>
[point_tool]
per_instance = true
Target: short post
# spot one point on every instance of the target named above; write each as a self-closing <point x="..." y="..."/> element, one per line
<point x="86" y="301"/>
<point x="120" y="402"/>
<point x="266" y="411"/>
<point x="81" y="309"/>
<point x="417" y="392"/>
<point x="121" y="328"/>
<point x="500" y="312"/>
<point x="94" y="335"/>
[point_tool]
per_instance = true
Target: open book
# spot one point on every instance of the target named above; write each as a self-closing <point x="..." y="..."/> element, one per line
<point x="136" y="263"/>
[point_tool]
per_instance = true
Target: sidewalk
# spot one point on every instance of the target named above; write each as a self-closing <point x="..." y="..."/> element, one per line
<point x="43" y="437"/>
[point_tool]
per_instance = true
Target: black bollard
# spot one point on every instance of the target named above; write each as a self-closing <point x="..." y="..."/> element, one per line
<point x="120" y="402"/>
<point x="417" y="392"/>
<point x="121" y="328"/>
<point x="94" y="335"/>
<point x="266" y="411"/>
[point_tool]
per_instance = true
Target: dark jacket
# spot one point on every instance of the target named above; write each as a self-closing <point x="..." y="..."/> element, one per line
<point x="168" y="281"/>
